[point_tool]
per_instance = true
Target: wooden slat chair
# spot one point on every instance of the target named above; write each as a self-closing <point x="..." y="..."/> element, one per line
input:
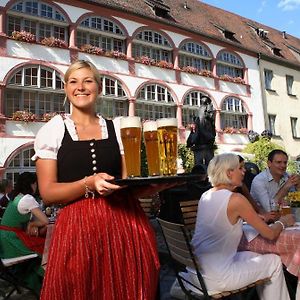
<point x="177" y="238"/>
<point x="146" y="204"/>
<point x="7" y="274"/>
<point x="189" y="213"/>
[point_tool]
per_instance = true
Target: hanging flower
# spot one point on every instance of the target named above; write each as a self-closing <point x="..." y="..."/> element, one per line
<point x="190" y="69"/>
<point x="23" y="36"/>
<point x="164" y="64"/>
<point x="92" y="49"/>
<point x="23" y="115"/>
<point x="54" y="42"/>
<point x="206" y="73"/>
<point x="146" y="60"/>
<point x="48" y="116"/>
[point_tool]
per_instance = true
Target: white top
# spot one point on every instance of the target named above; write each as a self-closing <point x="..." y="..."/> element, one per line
<point x="50" y="136"/>
<point x="216" y="240"/>
<point x="26" y="204"/>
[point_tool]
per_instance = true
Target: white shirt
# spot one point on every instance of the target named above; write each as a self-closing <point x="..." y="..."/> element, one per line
<point x="50" y="136"/>
<point x="26" y="204"/>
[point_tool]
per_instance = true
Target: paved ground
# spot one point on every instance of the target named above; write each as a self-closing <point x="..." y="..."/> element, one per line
<point x="167" y="276"/>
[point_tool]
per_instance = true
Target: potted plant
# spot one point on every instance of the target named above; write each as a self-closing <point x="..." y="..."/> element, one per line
<point x="23" y="36"/>
<point x="23" y="115"/>
<point x="54" y="42"/>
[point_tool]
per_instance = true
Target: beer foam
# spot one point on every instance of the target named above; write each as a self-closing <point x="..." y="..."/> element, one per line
<point x="150" y="126"/>
<point x="167" y="122"/>
<point x="127" y="122"/>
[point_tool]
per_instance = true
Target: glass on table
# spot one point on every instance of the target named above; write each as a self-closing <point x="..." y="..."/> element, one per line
<point x="167" y="141"/>
<point x="131" y="135"/>
<point x="285" y="207"/>
<point x="151" y="145"/>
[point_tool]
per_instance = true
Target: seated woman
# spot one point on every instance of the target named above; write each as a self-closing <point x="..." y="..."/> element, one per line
<point x="218" y="232"/>
<point x="21" y="227"/>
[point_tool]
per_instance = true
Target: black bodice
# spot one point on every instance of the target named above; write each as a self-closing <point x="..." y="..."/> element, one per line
<point x="77" y="159"/>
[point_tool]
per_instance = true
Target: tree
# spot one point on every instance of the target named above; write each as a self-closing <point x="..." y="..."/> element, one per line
<point x="261" y="148"/>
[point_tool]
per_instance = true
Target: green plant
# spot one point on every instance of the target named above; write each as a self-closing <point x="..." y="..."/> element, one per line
<point x="261" y="149"/>
<point x="187" y="157"/>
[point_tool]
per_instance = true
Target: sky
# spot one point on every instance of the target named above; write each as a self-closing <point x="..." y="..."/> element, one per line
<point x="283" y="15"/>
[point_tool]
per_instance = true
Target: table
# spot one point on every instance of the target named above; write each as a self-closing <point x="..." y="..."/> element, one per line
<point x="287" y="246"/>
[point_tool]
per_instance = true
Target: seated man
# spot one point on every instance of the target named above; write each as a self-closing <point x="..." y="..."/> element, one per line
<point x="271" y="185"/>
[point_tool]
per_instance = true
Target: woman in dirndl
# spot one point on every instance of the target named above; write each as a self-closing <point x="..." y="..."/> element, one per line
<point x="103" y="246"/>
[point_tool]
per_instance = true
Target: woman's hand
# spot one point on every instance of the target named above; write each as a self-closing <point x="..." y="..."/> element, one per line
<point x="270" y="217"/>
<point x="287" y="220"/>
<point x="32" y="229"/>
<point x="102" y="184"/>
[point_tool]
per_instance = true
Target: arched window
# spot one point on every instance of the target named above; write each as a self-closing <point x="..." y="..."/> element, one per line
<point x="233" y="114"/>
<point x="191" y="106"/>
<point x="38" y="18"/>
<point x="195" y="55"/>
<point x="153" y="45"/>
<point x="229" y="64"/>
<point x="20" y="163"/>
<point x="101" y="32"/>
<point x="113" y="100"/>
<point x="155" y="101"/>
<point x="36" y="89"/>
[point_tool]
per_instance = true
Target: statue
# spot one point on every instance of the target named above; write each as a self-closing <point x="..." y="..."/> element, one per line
<point x="203" y="133"/>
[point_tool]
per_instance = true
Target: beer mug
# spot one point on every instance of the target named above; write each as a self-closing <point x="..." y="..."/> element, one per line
<point x="151" y="145"/>
<point x="131" y="135"/>
<point x="167" y="143"/>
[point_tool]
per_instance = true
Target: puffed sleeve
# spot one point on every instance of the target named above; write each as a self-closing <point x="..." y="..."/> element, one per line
<point x="49" y="138"/>
<point x="26" y="204"/>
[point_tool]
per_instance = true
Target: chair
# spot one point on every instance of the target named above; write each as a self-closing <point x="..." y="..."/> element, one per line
<point x="146" y="204"/>
<point x="7" y="274"/>
<point x="189" y="213"/>
<point x="177" y="239"/>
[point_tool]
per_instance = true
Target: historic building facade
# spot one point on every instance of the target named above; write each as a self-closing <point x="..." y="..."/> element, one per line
<point x="156" y="58"/>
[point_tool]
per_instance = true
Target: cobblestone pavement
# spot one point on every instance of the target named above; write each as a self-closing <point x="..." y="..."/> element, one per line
<point x="167" y="275"/>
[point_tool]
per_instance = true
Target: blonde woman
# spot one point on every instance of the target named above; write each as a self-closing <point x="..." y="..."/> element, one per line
<point x="218" y="232"/>
<point x="103" y="246"/>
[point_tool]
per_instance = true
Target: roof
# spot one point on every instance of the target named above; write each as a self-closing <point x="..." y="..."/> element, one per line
<point x="207" y="20"/>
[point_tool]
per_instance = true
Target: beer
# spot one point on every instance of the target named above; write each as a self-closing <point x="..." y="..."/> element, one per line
<point x="285" y="210"/>
<point x="131" y="134"/>
<point x="167" y="140"/>
<point x="151" y="144"/>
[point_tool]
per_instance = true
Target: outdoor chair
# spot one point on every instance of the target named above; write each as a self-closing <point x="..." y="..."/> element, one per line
<point x="189" y="213"/>
<point x="7" y="275"/>
<point x="146" y="204"/>
<point x="177" y="238"/>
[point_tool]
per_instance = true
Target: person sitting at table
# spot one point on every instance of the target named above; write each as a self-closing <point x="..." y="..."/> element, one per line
<point x="21" y="226"/>
<point x="270" y="186"/>
<point x="218" y="232"/>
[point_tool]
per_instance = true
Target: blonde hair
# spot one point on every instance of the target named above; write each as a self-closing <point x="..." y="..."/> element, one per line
<point x="81" y="64"/>
<point x="218" y="167"/>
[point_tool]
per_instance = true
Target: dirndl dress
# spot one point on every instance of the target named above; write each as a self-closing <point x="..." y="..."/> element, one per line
<point x="101" y="248"/>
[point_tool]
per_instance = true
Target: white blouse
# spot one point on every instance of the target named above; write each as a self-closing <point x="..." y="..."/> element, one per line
<point x="50" y="136"/>
<point x="26" y="204"/>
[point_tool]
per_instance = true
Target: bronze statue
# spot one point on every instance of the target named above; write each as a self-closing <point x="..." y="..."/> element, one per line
<point x="203" y="133"/>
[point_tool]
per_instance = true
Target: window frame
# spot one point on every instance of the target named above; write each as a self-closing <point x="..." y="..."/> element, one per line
<point x="32" y="22"/>
<point x="25" y="89"/>
<point x="268" y="76"/>
<point x="155" y="101"/>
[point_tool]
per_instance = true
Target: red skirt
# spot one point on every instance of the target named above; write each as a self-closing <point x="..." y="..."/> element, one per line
<point x="102" y="248"/>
